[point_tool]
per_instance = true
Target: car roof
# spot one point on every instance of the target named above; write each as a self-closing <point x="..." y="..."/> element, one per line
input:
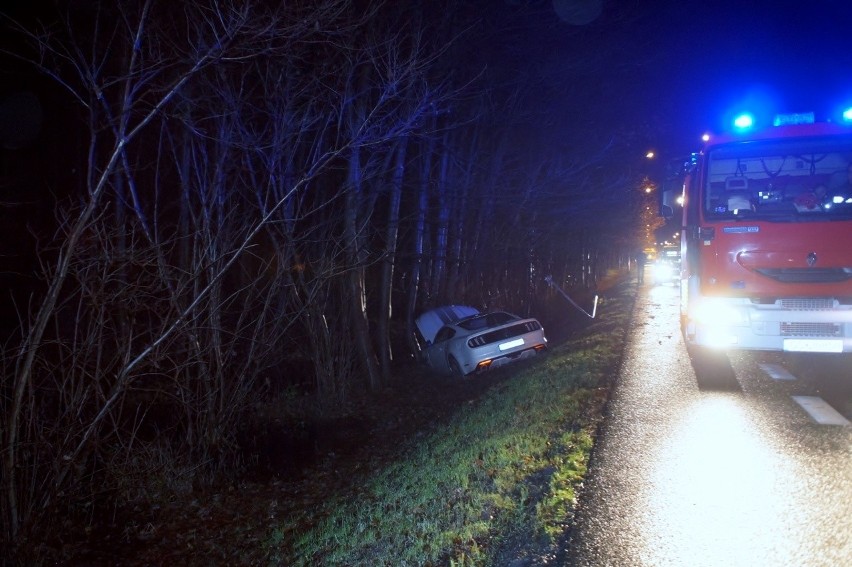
<point x="430" y="322"/>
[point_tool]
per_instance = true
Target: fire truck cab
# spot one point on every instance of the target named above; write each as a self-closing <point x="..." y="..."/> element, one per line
<point x="766" y="240"/>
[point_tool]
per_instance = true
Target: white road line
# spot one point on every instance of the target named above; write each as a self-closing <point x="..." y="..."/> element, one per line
<point x="776" y="372"/>
<point x="820" y="411"/>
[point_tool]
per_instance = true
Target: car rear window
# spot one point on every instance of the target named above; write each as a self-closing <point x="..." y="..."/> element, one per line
<point x="485" y="321"/>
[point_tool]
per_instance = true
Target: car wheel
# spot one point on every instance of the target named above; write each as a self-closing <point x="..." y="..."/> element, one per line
<point x="455" y="368"/>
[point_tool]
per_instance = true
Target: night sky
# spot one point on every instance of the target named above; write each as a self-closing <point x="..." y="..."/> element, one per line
<point x="661" y="71"/>
<point x="709" y="59"/>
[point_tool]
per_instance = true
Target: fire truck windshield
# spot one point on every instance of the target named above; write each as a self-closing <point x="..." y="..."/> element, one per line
<point x="786" y="180"/>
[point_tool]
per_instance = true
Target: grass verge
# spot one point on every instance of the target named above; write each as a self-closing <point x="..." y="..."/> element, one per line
<point x="506" y="463"/>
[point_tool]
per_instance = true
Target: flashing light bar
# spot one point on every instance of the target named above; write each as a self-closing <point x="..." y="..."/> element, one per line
<point x="795" y="118"/>
<point x="746" y="120"/>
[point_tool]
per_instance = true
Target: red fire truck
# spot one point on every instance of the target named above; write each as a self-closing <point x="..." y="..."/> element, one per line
<point x="766" y="243"/>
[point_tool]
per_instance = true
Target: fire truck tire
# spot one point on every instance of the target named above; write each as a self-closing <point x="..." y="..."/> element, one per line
<point x="713" y="370"/>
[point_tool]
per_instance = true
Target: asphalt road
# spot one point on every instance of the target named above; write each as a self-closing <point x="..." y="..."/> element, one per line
<point x="697" y="477"/>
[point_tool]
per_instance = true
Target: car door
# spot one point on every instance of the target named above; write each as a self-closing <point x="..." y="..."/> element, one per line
<point x="437" y="352"/>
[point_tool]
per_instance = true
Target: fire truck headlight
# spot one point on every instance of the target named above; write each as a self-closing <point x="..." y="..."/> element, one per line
<point x="714" y="313"/>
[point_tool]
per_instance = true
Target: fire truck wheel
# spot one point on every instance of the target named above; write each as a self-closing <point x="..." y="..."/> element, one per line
<point x="712" y="369"/>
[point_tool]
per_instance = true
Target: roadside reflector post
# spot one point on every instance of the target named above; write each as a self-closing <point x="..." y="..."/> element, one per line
<point x="551" y="283"/>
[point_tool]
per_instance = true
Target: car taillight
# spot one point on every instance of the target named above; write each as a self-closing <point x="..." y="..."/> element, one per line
<point x="476" y="342"/>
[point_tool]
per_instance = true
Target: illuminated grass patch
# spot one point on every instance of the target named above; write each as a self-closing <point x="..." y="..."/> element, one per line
<point x="510" y="461"/>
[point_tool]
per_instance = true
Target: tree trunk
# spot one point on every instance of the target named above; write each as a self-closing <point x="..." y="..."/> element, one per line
<point x="386" y="286"/>
<point x="419" y="238"/>
<point x="439" y="252"/>
<point x="356" y="271"/>
<point x="456" y="278"/>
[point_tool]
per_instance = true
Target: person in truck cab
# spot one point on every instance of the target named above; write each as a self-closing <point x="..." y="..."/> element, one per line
<point x="840" y="190"/>
<point x="842" y="179"/>
<point x="811" y="201"/>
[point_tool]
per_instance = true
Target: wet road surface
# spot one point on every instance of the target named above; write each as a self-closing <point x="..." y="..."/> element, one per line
<point x="685" y="476"/>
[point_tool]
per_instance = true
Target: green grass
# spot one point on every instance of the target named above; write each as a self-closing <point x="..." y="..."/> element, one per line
<point x="510" y="461"/>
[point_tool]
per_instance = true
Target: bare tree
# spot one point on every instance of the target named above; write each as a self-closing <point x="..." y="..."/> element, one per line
<point x="181" y="299"/>
<point x="126" y="105"/>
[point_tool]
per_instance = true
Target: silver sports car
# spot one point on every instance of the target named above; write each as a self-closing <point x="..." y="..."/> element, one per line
<point x="460" y="340"/>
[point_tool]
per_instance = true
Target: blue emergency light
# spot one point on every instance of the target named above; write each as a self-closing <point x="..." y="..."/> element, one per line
<point x="744" y="121"/>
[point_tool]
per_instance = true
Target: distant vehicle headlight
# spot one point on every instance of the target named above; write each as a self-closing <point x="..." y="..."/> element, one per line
<point x="664" y="271"/>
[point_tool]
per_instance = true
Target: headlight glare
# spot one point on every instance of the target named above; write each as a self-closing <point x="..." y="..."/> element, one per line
<point x="716" y="313"/>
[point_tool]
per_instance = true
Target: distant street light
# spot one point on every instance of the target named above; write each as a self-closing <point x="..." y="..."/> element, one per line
<point x="650" y="155"/>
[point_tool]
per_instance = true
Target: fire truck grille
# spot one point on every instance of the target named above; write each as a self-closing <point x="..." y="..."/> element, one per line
<point x="807" y="304"/>
<point x="810" y="330"/>
<point x="807" y="275"/>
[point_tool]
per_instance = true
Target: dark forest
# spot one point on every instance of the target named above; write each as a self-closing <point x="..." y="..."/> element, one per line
<point x="207" y="207"/>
